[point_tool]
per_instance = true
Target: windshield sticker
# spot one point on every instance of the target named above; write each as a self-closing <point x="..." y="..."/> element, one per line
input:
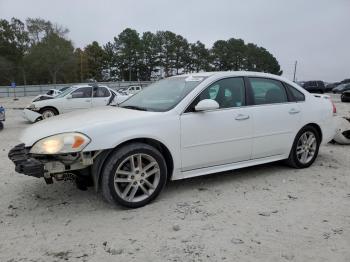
<point x="193" y="79"/>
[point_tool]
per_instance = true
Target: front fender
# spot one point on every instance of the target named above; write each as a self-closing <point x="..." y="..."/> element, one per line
<point x="97" y="167"/>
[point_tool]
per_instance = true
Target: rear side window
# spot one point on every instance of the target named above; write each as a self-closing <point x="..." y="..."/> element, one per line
<point x="84" y="92"/>
<point x="297" y="95"/>
<point x="101" y="92"/>
<point x="320" y="83"/>
<point x="268" y="91"/>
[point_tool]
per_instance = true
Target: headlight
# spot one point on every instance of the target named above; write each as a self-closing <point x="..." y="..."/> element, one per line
<point x="32" y="107"/>
<point x="61" y="144"/>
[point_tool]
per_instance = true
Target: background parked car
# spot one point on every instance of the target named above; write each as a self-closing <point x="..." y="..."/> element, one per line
<point x="50" y="94"/>
<point x="131" y="90"/>
<point x="341" y="88"/>
<point x="2" y="117"/>
<point x="346" y="81"/>
<point x="330" y="86"/>
<point x="74" y="98"/>
<point x="345" y="96"/>
<point x="314" y="86"/>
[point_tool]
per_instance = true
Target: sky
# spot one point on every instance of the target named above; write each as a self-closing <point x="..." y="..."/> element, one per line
<point x="316" y="33"/>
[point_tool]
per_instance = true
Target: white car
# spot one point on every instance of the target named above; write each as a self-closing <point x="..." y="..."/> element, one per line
<point x="49" y="94"/>
<point x="180" y="127"/>
<point x="73" y="98"/>
<point x="130" y="90"/>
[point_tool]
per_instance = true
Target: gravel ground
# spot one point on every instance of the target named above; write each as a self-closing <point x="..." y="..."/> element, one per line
<point x="265" y="213"/>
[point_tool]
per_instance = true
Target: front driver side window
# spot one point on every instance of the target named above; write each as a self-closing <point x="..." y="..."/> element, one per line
<point x="83" y="92"/>
<point x="228" y="92"/>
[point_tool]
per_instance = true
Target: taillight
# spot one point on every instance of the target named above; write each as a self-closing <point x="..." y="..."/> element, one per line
<point x="334" y="108"/>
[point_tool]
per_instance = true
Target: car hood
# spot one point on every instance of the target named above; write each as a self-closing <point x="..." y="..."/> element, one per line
<point x="83" y="121"/>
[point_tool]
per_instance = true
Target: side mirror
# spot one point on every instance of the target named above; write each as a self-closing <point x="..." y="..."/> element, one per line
<point x="206" y="104"/>
<point x="69" y="96"/>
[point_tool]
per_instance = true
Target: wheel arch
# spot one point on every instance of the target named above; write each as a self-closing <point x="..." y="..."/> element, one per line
<point x="317" y="127"/>
<point x="50" y="107"/>
<point x="101" y="159"/>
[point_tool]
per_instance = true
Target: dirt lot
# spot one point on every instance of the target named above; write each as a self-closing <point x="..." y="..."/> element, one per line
<point x="265" y="213"/>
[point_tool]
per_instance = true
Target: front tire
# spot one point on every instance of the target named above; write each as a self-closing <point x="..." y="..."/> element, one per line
<point x="305" y="148"/>
<point x="134" y="175"/>
<point x="48" y="112"/>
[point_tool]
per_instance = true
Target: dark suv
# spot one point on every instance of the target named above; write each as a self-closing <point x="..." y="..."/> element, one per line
<point x="314" y="86"/>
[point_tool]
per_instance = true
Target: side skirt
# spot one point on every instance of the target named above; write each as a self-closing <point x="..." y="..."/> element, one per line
<point x="222" y="168"/>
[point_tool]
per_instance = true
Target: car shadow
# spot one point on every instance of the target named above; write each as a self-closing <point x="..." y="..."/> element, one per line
<point x="64" y="195"/>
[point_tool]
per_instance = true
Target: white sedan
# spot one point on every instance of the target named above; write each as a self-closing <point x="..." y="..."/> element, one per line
<point x="180" y="127"/>
<point x="50" y="94"/>
<point x="130" y="90"/>
<point x="73" y="98"/>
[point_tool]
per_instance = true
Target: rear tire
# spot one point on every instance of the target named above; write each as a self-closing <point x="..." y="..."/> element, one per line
<point x="305" y="148"/>
<point x="134" y="175"/>
<point x="343" y="98"/>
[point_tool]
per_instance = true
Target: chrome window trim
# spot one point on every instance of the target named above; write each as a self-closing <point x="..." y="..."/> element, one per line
<point x="246" y="106"/>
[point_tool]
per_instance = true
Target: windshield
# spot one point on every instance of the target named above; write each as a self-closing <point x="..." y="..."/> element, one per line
<point x="340" y="87"/>
<point x="64" y="88"/>
<point x="163" y="95"/>
<point x="65" y="92"/>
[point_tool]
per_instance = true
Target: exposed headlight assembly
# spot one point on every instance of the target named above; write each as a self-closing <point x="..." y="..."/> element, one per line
<point x="32" y="107"/>
<point x="61" y="144"/>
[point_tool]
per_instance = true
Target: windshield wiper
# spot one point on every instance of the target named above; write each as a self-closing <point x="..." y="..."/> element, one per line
<point x="135" y="108"/>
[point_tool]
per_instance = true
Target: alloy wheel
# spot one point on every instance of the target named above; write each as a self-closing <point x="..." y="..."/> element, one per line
<point x="136" y="177"/>
<point x="306" y="147"/>
<point x="47" y="114"/>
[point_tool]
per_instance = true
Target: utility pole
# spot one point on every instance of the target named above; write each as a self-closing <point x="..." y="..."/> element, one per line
<point x="295" y="70"/>
<point x="81" y="66"/>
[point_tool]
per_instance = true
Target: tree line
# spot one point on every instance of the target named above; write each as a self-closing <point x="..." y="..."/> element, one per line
<point x="38" y="51"/>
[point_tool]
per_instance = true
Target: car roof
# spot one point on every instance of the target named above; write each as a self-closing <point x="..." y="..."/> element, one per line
<point x="228" y="73"/>
<point x="87" y="85"/>
<point x="233" y="73"/>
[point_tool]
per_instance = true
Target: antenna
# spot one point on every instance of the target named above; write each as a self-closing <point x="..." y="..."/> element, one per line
<point x="295" y="70"/>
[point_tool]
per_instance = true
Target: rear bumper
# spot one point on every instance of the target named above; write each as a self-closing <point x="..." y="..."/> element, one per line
<point x="24" y="163"/>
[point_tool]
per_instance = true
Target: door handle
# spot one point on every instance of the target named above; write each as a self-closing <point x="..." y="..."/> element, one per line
<point x="241" y="117"/>
<point x="294" y="111"/>
<point x="88" y="100"/>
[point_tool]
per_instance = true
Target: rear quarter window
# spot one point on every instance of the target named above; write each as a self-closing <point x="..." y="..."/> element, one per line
<point x="297" y="95"/>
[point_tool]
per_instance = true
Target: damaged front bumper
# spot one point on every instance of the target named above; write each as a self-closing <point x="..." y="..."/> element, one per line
<point x="60" y="167"/>
<point x="31" y="115"/>
<point x="24" y="163"/>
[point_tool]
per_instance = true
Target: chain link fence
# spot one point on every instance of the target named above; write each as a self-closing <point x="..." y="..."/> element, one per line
<point x="33" y="90"/>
